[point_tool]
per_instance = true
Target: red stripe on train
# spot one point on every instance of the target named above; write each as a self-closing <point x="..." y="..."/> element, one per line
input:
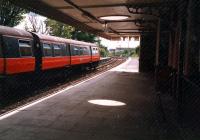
<point x="19" y="65"/>
<point x="55" y="62"/>
<point x="95" y="58"/>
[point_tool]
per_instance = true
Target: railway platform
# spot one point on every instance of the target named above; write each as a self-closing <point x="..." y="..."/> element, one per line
<point x="117" y="105"/>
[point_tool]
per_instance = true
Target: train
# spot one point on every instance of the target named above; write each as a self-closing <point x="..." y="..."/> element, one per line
<point x="28" y="53"/>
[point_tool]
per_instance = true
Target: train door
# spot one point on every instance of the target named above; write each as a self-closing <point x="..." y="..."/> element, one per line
<point x="37" y="53"/>
<point x="68" y="52"/>
<point x="1" y="57"/>
<point x="85" y="54"/>
<point x="95" y="54"/>
<point x="75" y="54"/>
<point x="91" y="53"/>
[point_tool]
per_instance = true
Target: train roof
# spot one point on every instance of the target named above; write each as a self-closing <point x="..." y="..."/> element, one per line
<point x="9" y="31"/>
<point x="62" y="40"/>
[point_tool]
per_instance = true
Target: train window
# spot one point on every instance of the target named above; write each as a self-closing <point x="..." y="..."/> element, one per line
<point x="47" y="50"/>
<point x="57" y="50"/>
<point x="1" y="53"/>
<point x="75" y="50"/>
<point x="67" y="50"/>
<point x="25" y="48"/>
<point x="81" y="51"/>
<point x="63" y="49"/>
<point x="11" y="47"/>
<point x="86" y="51"/>
<point x="72" y="50"/>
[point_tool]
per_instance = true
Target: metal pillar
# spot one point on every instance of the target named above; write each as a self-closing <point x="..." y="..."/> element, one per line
<point x="158" y="43"/>
<point x="157" y="54"/>
<point x="182" y="43"/>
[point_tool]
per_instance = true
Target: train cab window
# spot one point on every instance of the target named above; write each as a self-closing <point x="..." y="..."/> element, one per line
<point x="47" y="50"/>
<point x="57" y="50"/>
<point x="93" y="51"/>
<point x="97" y="52"/>
<point x="25" y="48"/>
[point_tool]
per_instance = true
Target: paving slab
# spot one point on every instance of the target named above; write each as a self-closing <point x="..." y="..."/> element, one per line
<point x="71" y="115"/>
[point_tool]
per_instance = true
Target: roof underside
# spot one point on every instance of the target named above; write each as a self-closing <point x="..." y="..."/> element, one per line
<point x="84" y="14"/>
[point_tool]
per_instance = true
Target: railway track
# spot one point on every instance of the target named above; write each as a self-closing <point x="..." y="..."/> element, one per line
<point x="30" y="93"/>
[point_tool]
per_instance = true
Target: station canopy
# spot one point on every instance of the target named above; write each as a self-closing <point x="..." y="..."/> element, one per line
<point x="110" y="19"/>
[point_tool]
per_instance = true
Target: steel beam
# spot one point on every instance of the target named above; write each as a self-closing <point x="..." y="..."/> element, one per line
<point x="88" y="14"/>
<point x="135" y="5"/>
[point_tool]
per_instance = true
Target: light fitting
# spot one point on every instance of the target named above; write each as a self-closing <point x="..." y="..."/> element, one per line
<point x="116" y="17"/>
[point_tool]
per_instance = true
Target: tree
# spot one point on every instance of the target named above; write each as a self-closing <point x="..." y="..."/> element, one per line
<point x="59" y="29"/>
<point x="84" y="36"/>
<point x="35" y="23"/>
<point x="62" y="30"/>
<point x="10" y="15"/>
<point x="137" y="50"/>
<point x="103" y="51"/>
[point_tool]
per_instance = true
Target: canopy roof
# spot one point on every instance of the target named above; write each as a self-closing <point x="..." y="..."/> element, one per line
<point x="85" y="14"/>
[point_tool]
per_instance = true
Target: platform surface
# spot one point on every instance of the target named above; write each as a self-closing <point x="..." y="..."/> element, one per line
<point x="72" y="115"/>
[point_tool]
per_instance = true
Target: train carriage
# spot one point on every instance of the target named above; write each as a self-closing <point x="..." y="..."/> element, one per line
<point x="16" y="51"/>
<point x="80" y="54"/>
<point x="53" y="52"/>
<point x="58" y="52"/>
<point x="22" y="53"/>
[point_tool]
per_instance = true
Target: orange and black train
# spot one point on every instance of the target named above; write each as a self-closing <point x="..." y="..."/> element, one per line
<point x="22" y="52"/>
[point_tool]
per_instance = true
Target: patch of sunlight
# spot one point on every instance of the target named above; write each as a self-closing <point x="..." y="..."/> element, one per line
<point x="103" y="102"/>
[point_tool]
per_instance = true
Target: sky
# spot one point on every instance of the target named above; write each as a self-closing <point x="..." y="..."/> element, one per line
<point x="26" y="21"/>
<point x="120" y="44"/>
<point x="107" y="43"/>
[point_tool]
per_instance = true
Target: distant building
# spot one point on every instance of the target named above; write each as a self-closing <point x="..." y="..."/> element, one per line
<point x="121" y="49"/>
<point x="112" y="50"/>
